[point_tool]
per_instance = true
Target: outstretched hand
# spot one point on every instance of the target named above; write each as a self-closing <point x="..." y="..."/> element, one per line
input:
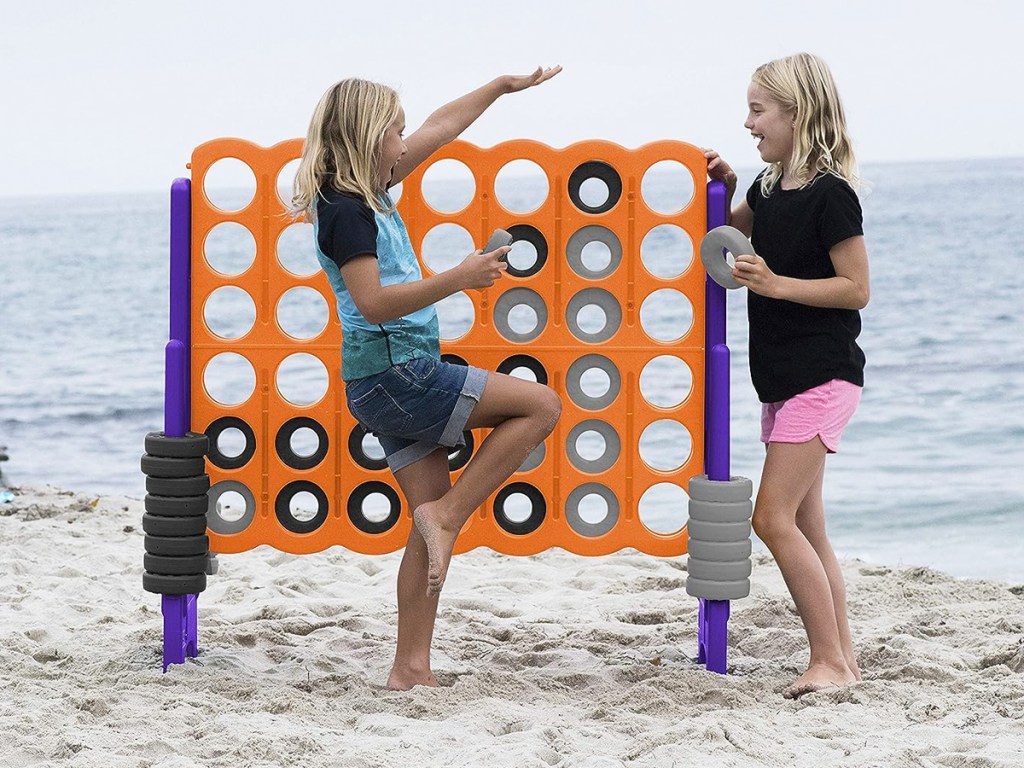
<point x="480" y="270"/>
<point x="516" y="83"/>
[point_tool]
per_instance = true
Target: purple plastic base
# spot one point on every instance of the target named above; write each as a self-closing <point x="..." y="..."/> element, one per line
<point x="180" y="639"/>
<point x="712" y="634"/>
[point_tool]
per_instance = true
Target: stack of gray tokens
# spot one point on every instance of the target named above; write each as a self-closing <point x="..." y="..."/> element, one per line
<point x="175" y="520"/>
<point x="719" y="528"/>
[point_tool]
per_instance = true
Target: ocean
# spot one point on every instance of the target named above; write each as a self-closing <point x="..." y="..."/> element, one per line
<point x="929" y="472"/>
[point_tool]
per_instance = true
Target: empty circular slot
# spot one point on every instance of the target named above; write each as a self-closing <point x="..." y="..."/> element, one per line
<point x="665" y="445"/>
<point x="667" y="187"/>
<point x="229" y="312"/>
<point x="229" y="379"/>
<point x="229" y="249"/>
<point x="229" y="184"/>
<point x="593" y="315"/>
<point x="666" y="251"/>
<point x="455" y="316"/>
<point x="593" y="446"/>
<point x="593" y="382"/>
<point x="593" y="252"/>
<point x="302" y="313"/>
<point x="666" y="381"/>
<point x="365" y="449"/>
<point x="368" y="515"/>
<point x="508" y="303"/>
<point x="663" y="508"/>
<point x="301" y="506"/>
<point x="446" y="246"/>
<point x="302" y="379"/>
<point x="286" y="181"/>
<point x="666" y="315"/>
<point x="591" y="509"/>
<point x="448" y="186"/>
<point x="521" y="186"/>
<point x="296" y="251"/>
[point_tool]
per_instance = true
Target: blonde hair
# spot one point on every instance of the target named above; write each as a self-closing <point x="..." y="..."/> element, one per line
<point x="343" y="144"/>
<point x="803" y="84"/>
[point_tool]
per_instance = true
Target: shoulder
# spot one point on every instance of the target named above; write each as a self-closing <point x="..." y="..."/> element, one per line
<point x="336" y="206"/>
<point x="754" y="191"/>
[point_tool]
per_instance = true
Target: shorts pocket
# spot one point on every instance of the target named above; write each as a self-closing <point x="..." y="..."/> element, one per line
<point x="418" y="370"/>
<point x="379" y="412"/>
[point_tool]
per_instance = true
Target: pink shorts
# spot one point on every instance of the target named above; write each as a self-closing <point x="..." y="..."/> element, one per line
<point x="821" y="412"/>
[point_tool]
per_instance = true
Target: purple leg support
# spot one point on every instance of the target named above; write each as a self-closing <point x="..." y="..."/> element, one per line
<point x="713" y="615"/>
<point x="179" y="611"/>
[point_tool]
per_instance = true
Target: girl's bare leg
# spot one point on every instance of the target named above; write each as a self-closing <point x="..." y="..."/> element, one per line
<point x="521" y="414"/>
<point x="424" y="481"/>
<point x="810" y="519"/>
<point x="790" y="470"/>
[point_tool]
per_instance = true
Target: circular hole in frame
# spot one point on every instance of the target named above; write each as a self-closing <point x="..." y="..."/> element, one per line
<point x="666" y="381"/>
<point x="238" y="445"/>
<point x="365" y="449"/>
<point x="229" y="249"/>
<point x="370" y="518"/>
<point x="665" y="445"/>
<point x="663" y="508"/>
<point x="229" y="312"/>
<point x="524" y="367"/>
<point x="666" y="251"/>
<point x="286" y="181"/>
<point x="302" y="313"/>
<point x="301" y="443"/>
<point x="229" y="184"/>
<point x="446" y="246"/>
<point x="302" y="379"/>
<point x="521" y="186"/>
<point x="537" y="508"/>
<point x="667" y="187"/>
<point x="448" y="186"/>
<point x="229" y="379"/>
<point x="666" y="315"/>
<point x="230" y="506"/>
<point x="605" y="458"/>
<point x="455" y="316"/>
<point x="296" y="251"/>
<point x="591" y="509"/>
<point x="602" y="243"/>
<point x="303" y="506"/>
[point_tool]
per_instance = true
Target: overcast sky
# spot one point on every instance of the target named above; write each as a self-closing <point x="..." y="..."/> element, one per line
<point x="113" y="96"/>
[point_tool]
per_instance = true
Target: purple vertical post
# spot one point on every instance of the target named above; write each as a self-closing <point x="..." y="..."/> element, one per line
<point x="179" y="611"/>
<point x="713" y="615"/>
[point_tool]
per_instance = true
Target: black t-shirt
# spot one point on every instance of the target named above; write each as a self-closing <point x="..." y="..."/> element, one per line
<point x="794" y="347"/>
<point x="346" y="227"/>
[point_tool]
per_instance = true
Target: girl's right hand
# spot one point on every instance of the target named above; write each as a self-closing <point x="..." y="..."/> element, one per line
<point x="480" y="270"/>
<point x="719" y="170"/>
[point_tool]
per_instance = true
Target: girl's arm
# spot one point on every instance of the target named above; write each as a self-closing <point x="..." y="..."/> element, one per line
<point x="849" y="289"/>
<point x="381" y="303"/>
<point x="447" y="122"/>
<point x="741" y="216"/>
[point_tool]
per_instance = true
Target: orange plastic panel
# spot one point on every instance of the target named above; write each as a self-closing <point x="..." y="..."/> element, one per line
<point x="266" y="346"/>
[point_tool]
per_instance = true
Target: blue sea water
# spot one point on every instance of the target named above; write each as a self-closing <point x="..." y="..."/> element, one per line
<point x="930" y="470"/>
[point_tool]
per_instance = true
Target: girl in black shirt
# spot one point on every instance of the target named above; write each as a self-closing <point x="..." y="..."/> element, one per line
<point x="807" y="283"/>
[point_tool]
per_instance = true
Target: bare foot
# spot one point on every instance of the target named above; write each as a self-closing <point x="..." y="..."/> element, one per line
<point x="817" y="677"/>
<point x="405" y="679"/>
<point x="440" y="541"/>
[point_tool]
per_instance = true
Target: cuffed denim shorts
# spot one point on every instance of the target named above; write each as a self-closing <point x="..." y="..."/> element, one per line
<point x="417" y="406"/>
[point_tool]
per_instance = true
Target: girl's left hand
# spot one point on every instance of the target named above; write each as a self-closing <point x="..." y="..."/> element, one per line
<point x="515" y="83"/>
<point x="752" y="272"/>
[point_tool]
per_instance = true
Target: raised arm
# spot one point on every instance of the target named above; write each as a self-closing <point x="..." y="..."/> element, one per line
<point x="447" y="122"/>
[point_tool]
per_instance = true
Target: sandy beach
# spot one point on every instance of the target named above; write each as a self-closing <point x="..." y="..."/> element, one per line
<point x="549" y="660"/>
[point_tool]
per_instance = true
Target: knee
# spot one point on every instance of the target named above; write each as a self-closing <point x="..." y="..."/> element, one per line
<point x="549" y="409"/>
<point x="766" y="525"/>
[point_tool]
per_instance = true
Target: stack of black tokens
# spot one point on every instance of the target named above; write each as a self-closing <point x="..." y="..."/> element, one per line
<point x="175" y="520"/>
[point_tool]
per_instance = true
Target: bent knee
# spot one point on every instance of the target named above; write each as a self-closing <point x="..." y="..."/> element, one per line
<point x="549" y="408"/>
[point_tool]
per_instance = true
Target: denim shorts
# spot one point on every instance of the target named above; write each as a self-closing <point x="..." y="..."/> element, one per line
<point x="416" y="406"/>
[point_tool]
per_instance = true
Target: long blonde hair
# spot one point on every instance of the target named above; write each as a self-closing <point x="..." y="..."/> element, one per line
<point x="802" y="83"/>
<point x="343" y="144"/>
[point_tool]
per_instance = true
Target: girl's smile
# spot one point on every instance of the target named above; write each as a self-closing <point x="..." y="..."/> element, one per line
<point x="771" y="124"/>
<point x="392" y="147"/>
